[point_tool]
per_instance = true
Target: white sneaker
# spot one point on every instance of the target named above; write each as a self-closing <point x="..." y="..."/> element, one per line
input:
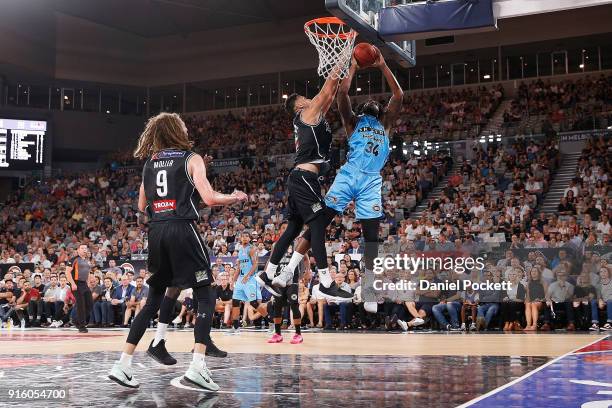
<point x="200" y="376"/>
<point x="417" y="321"/>
<point x="56" y="323"/>
<point x="473" y="327"/>
<point x="606" y="327"/>
<point x="462" y="326"/>
<point x="177" y="320"/>
<point x="233" y="332"/>
<point x="123" y="376"/>
<point x="284" y="277"/>
<point x="403" y="325"/>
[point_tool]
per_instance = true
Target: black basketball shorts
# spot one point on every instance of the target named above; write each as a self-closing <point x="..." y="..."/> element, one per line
<point x="178" y="256"/>
<point x="305" y="201"/>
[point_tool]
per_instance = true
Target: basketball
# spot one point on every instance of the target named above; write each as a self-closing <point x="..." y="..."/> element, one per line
<point x="365" y="54"/>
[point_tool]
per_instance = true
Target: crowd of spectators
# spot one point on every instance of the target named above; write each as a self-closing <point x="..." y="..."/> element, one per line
<point x="493" y="198"/>
<point x="566" y="105"/>
<point x="437" y="115"/>
<point x="448" y="114"/>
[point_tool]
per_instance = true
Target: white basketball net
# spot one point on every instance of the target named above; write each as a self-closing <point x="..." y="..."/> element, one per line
<point x="334" y="42"/>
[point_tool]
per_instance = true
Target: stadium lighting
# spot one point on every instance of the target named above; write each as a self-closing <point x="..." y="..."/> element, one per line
<point x="66" y="97"/>
<point x="107" y="111"/>
<point x="487" y="76"/>
<point x="581" y="66"/>
<point x="284" y="96"/>
<point x="358" y="89"/>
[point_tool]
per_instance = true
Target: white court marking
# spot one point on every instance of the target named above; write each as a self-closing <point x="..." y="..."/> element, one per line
<point x="529" y="374"/>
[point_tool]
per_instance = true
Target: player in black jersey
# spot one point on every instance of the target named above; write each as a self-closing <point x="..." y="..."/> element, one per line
<point x="313" y="139"/>
<point x="173" y="183"/>
<point x="290" y="297"/>
<point x="157" y="348"/>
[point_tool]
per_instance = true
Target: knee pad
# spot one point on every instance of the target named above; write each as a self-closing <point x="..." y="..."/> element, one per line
<point x="370" y="229"/>
<point x="235" y="303"/>
<point x="292" y="294"/>
<point x="278" y="308"/>
<point x="254" y="303"/>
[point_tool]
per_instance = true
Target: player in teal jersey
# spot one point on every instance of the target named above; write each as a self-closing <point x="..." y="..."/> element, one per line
<point x="246" y="288"/>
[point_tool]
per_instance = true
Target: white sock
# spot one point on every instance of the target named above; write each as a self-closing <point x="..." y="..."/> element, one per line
<point x="295" y="260"/>
<point x="271" y="270"/>
<point x="325" y="278"/>
<point x="160" y="333"/>
<point x="198" y="359"/>
<point x="125" y="360"/>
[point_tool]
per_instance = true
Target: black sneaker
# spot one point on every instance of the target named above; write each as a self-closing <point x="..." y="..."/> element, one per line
<point x="160" y="354"/>
<point x="334" y="293"/>
<point x="83" y="329"/>
<point x="263" y="280"/>
<point x="213" y="351"/>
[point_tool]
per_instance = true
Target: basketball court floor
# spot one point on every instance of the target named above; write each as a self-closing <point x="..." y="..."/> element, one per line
<point x="328" y="369"/>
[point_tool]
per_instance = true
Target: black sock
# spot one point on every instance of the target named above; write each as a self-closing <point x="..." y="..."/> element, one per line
<point x="236" y="324"/>
<point x="277" y="328"/>
<point x="298" y="328"/>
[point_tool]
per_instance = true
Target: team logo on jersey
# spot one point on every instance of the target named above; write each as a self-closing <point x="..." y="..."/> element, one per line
<point x="252" y="295"/>
<point x="294" y="297"/>
<point x="167" y="154"/>
<point x="333" y="199"/>
<point x="376" y="207"/>
<point x="160" y="206"/>
<point x="316" y="207"/>
<point x="201" y="276"/>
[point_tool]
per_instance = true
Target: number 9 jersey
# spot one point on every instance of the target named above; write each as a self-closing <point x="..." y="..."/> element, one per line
<point x="359" y="178"/>
<point x="177" y="254"/>
<point x="170" y="191"/>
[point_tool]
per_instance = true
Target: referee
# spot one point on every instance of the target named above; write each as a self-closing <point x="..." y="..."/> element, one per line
<point x="77" y="272"/>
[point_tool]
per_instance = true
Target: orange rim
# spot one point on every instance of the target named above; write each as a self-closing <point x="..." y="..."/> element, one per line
<point x="328" y="20"/>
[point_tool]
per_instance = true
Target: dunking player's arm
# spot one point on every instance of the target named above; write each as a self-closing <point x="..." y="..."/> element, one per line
<point x="397" y="95"/>
<point x="319" y="105"/>
<point x="344" y="101"/>
<point x="253" y="256"/>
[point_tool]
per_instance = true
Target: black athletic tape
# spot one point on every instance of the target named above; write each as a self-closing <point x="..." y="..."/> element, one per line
<point x="254" y="303"/>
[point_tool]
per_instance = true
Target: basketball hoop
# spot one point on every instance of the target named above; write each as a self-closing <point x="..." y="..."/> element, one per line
<point x="334" y="42"/>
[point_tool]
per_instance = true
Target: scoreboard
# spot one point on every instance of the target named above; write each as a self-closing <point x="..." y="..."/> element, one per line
<point x="22" y="144"/>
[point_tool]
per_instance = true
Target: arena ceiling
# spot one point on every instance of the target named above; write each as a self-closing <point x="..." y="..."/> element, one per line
<point x="157" y="18"/>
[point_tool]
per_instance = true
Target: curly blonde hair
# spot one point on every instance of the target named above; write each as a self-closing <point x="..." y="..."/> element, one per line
<point x="164" y="131"/>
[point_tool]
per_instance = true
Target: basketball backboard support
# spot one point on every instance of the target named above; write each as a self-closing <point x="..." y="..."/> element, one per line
<point x="362" y="16"/>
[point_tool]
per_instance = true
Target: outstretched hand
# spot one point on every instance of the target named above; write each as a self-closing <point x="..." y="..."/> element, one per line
<point x="240" y="196"/>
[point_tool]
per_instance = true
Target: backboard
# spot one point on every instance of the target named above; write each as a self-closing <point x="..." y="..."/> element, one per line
<point x="362" y="16"/>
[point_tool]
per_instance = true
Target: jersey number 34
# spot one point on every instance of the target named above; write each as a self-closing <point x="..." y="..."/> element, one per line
<point x="372" y="148"/>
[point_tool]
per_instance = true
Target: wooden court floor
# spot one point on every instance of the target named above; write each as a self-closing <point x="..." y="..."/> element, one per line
<point x="67" y="341"/>
<point x="437" y="370"/>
